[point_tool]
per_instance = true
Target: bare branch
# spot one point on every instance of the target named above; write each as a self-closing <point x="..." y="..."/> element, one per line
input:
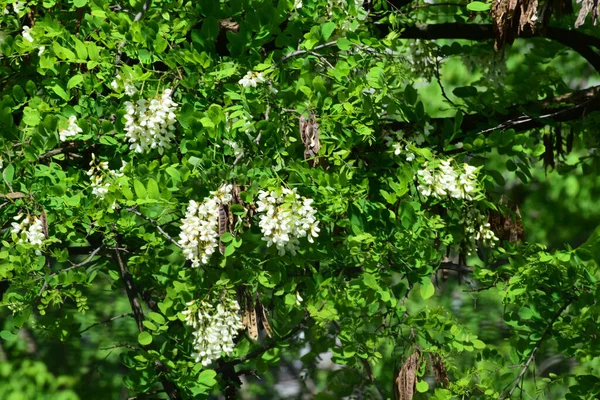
<point x="106" y="321"/>
<point x="74" y="266"/>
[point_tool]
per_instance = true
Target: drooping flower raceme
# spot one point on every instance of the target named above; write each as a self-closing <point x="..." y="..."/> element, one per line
<point x="252" y="79"/>
<point x="102" y="176"/>
<point x="285" y="217"/>
<point x="444" y="181"/>
<point x="72" y="129"/>
<point x="199" y="237"/>
<point x="30" y="230"/>
<point x="214" y="328"/>
<point x="150" y="124"/>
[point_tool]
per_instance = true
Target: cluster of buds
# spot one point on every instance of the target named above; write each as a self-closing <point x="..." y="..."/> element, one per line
<point x="199" y="237"/>
<point x="445" y="181"/>
<point x="478" y="229"/>
<point x="285" y="217"/>
<point x="102" y="176"/>
<point x="30" y="230"/>
<point x="215" y="328"/>
<point x="150" y="124"/>
<point x="72" y="129"/>
<point x="400" y="149"/>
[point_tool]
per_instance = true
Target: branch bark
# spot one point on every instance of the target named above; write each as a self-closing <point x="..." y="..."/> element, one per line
<point x="138" y="315"/>
<point x="548" y="329"/>
<point x="577" y="41"/>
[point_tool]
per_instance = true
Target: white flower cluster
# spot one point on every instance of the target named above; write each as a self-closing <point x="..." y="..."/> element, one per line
<point x="150" y="124"/>
<point x="72" y="129"/>
<point x="32" y="229"/>
<point x="238" y="150"/>
<point x="214" y="329"/>
<point x="129" y="88"/>
<point x="399" y="149"/>
<point x="286" y="217"/>
<point x="98" y="173"/>
<point x="199" y="235"/>
<point x="446" y="181"/>
<point x="477" y="228"/>
<point x="252" y="79"/>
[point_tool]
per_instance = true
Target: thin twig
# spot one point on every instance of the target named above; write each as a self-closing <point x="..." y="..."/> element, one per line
<point x="106" y="321"/>
<point x="74" y="266"/>
<point x="156" y="225"/>
<point x="439" y="81"/>
<point x="535" y="349"/>
<point x="300" y="52"/>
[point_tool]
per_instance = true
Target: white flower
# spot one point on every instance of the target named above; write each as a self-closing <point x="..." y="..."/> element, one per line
<point x="285" y="217"/>
<point x="215" y="328"/>
<point x="102" y="177"/>
<point x="18" y="6"/>
<point x="150" y="124"/>
<point x="41" y="50"/>
<point x="1" y="164"/>
<point x="252" y="79"/>
<point x="238" y="151"/>
<point x="199" y="237"/>
<point x="27" y="33"/>
<point x="30" y="232"/>
<point x="397" y="148"/>
<point x="72" y="129"/>
<point x="130" y="89"/>
<point x="446" y="181"/>
<point x="478" y="229"/>
<point x="114" y="84"/>
<point x="298" y="4"/>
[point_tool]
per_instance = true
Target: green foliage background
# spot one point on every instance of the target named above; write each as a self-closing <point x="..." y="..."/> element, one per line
<point x="348" y="310"/>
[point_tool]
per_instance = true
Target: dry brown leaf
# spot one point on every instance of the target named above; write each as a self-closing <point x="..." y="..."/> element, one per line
<point x="439" y="370"/>
<point x="507" y="226"/>
<point x="264" y="320"/>
<point x="404" y="388"/>
<point x="587" y="7"/>
<point x="223" y="222"/>
<point x="13" y="195"/>
<point x="309" y="133"/>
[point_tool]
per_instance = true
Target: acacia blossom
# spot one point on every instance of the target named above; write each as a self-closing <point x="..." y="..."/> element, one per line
<point x="150" y="124"/>
<point x="199" y="237"/>
<point x="446" y="181"/>
<point x="215" y="328"/>
<point x="285" y="217"/>
<point x="30" y="230"/>
<point x="252" y="79"/>
<point x="72" y="129"/>
<point x="101" y="176"/>
<point x="478" y="229"/>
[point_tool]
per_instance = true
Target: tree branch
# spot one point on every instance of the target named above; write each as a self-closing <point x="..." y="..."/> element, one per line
<point x="156" y="225"/>
<point x="535" y="349"/>
<point x="106" y="321"/>
<point x="577" y="41"/>
<point x="138" y="315"/>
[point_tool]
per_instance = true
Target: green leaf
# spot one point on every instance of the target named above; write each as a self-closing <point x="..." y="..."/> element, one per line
<point x="422" y="386"/>
<point x="478" y="6"/>
<point x="229" y="250"/>
<point x="80" y="49"/>
<point x="157" y="317"/>
<point x="7" y="335"/>
<point x="144" y="338"/>
<point x="427" y="289"/>
<point x="80" y="3"/>
<point x="74" y="81"/>
<point x="478" y="344"/>
<point x="327" y="29"/>
<point x="9" y="173"/>
<point x="226" y="237"/>
<point x="151" y="326"/>
<point x="140" y="190"/>
<point x="61" y="92"/>
<point x="525" y="313"/>
<point x="207" y="377"/>
<point x="343" y="44"/>
<point x="153" y="191"/>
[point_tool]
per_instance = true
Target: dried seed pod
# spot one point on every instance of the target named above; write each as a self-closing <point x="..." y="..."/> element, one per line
<point x="223" y="222"/>
<point x="404" y="387"/>
<point x="309" y="133"/>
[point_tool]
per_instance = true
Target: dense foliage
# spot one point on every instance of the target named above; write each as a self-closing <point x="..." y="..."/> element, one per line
<point x="277" y="199"/>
